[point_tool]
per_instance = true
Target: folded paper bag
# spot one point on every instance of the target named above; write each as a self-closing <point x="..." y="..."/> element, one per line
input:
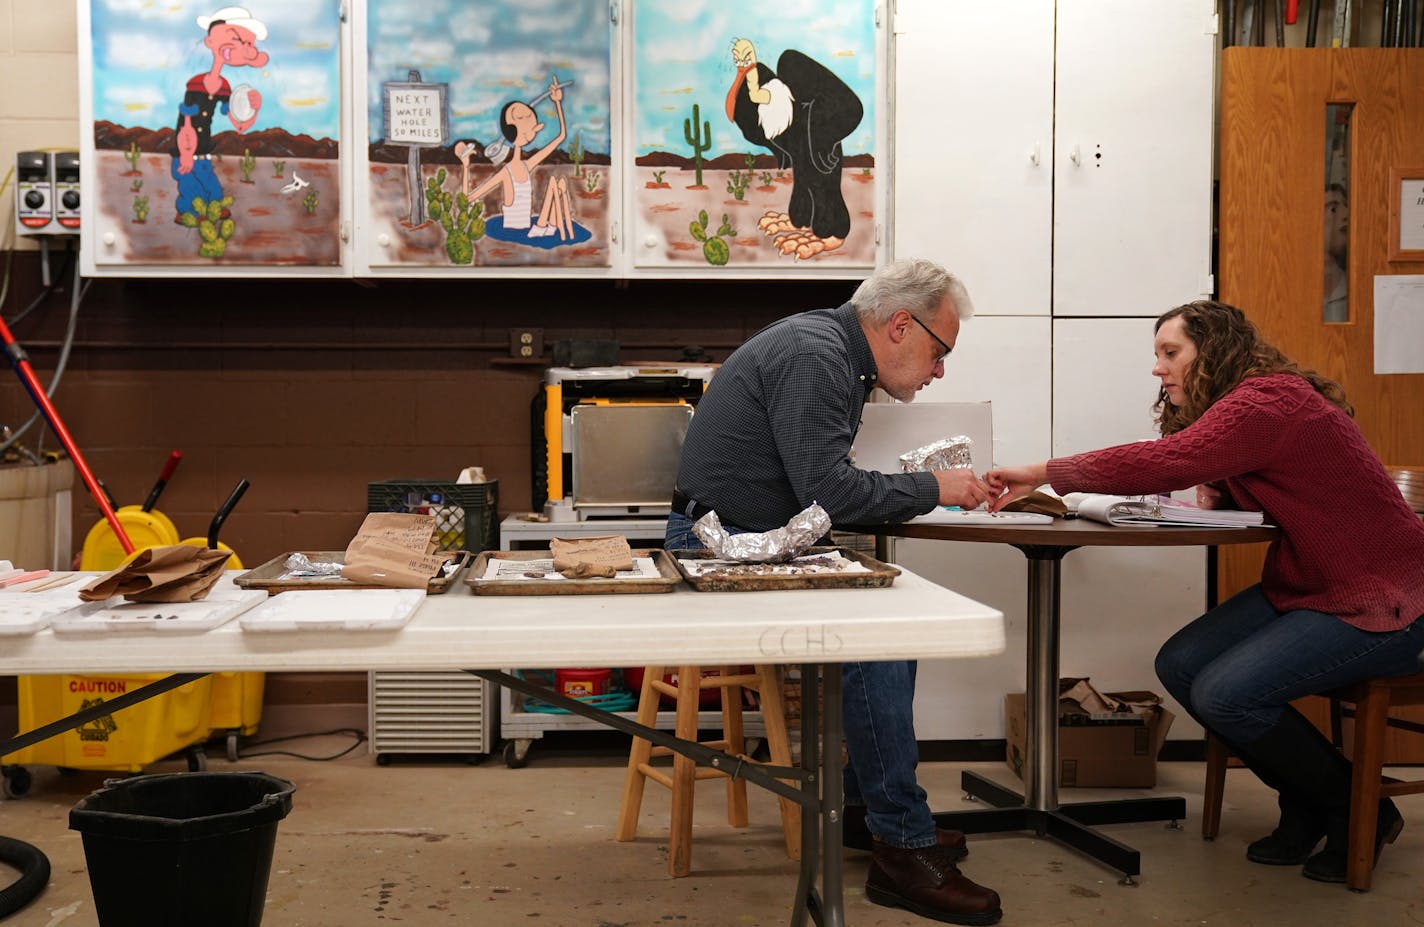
<point x="1039" y="502"/>
<point x="176" y="573"/>
<point x="606" y="552"/>
<point x="394" y="549"/>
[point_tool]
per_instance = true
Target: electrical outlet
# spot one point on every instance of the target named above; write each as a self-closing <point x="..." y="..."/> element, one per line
<point x="526" y="342"/>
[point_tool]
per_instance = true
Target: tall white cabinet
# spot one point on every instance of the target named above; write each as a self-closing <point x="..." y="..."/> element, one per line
<point x="1057" y="156"/>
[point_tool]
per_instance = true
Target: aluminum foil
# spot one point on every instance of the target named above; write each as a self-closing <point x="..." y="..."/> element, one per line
<point x="299" y="564"/>
<point x="949" y="454"/>
<point x="775" y="546"/>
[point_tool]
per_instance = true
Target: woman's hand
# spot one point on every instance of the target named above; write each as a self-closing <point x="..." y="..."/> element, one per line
<point x="1209" y="497"/>
<point x="1010" y="483"/>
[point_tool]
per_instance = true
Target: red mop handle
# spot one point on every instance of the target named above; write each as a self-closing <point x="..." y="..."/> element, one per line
<point x="21" y="362"/>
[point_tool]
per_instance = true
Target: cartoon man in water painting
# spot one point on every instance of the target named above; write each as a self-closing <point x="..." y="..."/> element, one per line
<point x="519" y="125"/>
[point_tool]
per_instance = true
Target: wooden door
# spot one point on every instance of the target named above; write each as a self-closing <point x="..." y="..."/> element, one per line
<point x="1271" y="228"/>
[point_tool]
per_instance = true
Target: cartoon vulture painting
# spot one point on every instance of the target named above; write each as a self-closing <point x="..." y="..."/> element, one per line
<point x="801" y="112"/>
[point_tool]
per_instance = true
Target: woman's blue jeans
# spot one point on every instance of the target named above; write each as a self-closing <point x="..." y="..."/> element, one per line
<point x="877" y="700"/>
<point x="1236" y="668"/>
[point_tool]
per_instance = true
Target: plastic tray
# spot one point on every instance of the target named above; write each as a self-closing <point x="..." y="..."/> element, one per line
<point x="117" y="616"/>
<point x="666" y="580"/>
<point x="878" y="573"/>
<point x="24" y="612"/>
<point x="336" y="610"/>
<point x="271" y="576"/>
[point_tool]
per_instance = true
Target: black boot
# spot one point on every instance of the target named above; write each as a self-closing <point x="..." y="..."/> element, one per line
<point x="1329" y="864"/>
<point x="1294" y="838"/>
<point x="1300" y="826"/>
<point x="1314" y="778"/>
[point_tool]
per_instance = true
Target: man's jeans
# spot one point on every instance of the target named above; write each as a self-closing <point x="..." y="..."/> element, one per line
<point x="1238" y="666"/>
<point x="879" y="733"/>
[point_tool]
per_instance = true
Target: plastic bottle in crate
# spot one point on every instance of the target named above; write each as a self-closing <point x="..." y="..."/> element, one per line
<point x="449" y="522"/>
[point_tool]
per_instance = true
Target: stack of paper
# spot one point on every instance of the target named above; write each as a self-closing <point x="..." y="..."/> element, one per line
<point x="1147" y="511"/>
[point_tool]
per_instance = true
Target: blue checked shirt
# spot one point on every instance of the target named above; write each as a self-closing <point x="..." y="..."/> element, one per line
<point x="774" y="431"/>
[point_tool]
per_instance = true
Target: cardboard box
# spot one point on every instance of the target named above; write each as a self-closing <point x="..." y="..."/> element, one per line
<point x="1097" y="748"/>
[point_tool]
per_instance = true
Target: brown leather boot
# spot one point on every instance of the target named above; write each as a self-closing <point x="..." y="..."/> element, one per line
<point x="926" y="882"/>
<point x="856" y="835"/>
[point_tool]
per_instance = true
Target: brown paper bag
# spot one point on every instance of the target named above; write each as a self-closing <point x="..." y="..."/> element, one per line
<point x="1039" y="502"/>
<point x="177" y="573"/>
<point x="607" y="552"/>
<point x="394" y="549"/>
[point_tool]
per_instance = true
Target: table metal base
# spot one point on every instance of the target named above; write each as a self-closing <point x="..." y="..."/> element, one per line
<point x="819" y="885"/>
<point x="1071" y="824"/>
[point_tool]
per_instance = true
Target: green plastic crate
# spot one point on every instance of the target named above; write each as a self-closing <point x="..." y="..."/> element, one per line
<point x="466" y="514"/>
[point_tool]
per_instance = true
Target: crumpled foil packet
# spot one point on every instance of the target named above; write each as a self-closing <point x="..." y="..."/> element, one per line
<point x="949" y="454"/>
<point x="774" y="546"/>
<point x="299" y="564"/>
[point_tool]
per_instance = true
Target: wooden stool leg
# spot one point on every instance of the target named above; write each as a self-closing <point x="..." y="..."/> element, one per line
<point x="736" y="744"/>
<point x="1215" y="789"/>
<point x="638" y="756"/>
<point x="1368" y="758"/>
<point x="773" y="714"/>
<point x="684" y="773"/>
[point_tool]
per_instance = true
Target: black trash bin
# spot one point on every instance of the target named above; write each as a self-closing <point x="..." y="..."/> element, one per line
<point x="183" y="849"/>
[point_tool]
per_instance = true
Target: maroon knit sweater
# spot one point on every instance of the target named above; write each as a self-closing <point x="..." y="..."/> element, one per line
<point x="1349" y="544"/>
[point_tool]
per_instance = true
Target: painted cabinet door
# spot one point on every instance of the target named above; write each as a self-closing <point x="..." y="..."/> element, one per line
<point x="1133" y="156"/>
<point x="973" y="130"/>
<point x="212" y="145"/>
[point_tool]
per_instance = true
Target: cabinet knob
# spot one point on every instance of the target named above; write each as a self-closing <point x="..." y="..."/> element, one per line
<point x="109" y="239"/>
<point x="650" y="242"/>
<point x="1075" y="156"/>
<point x="383" y="240"/>
<point x="1033" y="156"/>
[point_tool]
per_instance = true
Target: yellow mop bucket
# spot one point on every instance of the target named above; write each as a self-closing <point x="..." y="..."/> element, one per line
<point x="237" y="697"/>
<point x="145" y="527"/>
<point x="102" y="550"/>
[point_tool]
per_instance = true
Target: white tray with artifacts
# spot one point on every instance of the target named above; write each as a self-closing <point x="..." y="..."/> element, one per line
<point x="335" y="609"/>
<point x="531" y="572"/>
<point x="816" y="568"/>
<point x="222" y="603"/>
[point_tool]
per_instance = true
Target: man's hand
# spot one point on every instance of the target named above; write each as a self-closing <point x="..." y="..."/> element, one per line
<point x="1009" y="483"/>
<point x="959" y="486"/>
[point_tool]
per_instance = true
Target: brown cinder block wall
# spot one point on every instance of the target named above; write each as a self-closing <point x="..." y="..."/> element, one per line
<point x="310" y="389"/>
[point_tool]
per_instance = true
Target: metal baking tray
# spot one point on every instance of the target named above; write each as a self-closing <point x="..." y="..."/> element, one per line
<point x="881" y="574"/>
<point x="668" y="577"/>
<point x="269" y="576"/>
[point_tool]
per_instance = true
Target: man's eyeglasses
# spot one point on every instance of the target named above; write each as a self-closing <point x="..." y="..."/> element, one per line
<point x="946" y="347"/>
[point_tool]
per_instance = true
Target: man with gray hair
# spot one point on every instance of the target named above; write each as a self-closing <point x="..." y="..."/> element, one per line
<point x="772" y="435"/>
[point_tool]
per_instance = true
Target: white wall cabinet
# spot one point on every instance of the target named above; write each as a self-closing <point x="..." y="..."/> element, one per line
<point x="1057" y="156"/>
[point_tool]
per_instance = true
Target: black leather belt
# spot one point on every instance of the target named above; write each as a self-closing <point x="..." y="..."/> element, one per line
<point x="685" y="505"/>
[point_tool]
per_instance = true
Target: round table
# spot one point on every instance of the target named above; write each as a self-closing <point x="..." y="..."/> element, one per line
<point x="1038" y="809"/>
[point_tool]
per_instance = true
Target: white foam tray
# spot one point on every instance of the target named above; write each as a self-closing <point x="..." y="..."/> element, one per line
<point x="23" y="612"/>
<point x="335" y="609"/>
<point x="118" y="616"/>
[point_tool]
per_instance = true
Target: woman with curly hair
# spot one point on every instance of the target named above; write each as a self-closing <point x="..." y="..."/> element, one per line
<point x="1341" y="597"/>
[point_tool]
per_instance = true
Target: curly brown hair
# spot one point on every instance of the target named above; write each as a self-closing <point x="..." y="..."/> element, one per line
<point x="1229" y="349"/>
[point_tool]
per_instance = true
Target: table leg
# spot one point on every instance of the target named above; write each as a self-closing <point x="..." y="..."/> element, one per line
<point x="1038" y="810"/>
<point x="819" y="791"/>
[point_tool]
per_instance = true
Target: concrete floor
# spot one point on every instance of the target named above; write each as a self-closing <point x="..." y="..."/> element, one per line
<point x="438" y="843"/>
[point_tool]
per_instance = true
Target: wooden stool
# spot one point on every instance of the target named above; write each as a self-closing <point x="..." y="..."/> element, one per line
<point x="1368" y="703"/>
<point x="764" y="680"/>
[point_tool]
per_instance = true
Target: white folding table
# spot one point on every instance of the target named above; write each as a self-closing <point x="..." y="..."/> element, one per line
<point x="821" y="629"/>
